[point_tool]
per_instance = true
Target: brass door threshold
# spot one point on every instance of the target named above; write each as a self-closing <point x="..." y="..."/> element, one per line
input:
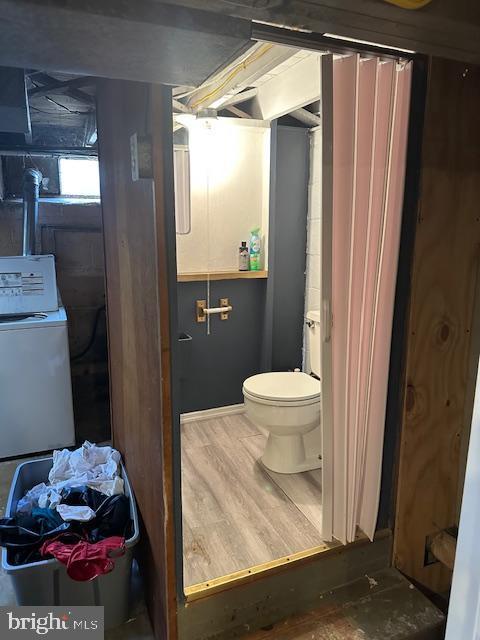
<point x="222" y="583"/>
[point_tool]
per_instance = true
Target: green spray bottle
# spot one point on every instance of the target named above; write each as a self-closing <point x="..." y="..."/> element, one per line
<point x="255" y="249"/>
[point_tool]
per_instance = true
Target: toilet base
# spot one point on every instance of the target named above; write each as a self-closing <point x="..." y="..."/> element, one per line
<point x="286" y="454"/>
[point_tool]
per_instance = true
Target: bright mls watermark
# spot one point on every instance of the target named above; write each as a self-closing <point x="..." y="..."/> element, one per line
<point x="51" y="622"/>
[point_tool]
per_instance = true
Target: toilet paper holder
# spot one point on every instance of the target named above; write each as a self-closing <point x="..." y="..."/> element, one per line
<point x="203" y="311"/>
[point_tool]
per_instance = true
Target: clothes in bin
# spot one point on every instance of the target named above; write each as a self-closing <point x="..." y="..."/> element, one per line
<point x="83" y="522"/>
<point x="55" y="560"/>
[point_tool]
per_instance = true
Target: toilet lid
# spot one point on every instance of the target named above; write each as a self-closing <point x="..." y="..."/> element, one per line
<point x="284" y="386"/>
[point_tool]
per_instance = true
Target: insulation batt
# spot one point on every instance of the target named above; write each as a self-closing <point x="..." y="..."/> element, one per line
<point x="89" y="465"/>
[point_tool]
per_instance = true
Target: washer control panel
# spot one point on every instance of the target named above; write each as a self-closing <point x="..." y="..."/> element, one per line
<point x="27" y="284"/>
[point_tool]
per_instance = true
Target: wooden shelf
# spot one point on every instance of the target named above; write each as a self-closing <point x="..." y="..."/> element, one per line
<point x="221" y="275"/>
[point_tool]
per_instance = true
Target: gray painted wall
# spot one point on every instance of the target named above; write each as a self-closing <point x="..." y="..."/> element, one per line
<point x="287" y="246"/>
<point x="214" y="367"/>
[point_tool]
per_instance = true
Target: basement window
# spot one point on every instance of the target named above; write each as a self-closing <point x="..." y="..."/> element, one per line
<point x="79" y="177"/>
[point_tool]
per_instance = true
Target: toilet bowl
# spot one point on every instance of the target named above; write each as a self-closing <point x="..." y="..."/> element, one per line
<point x="287" y="405"/>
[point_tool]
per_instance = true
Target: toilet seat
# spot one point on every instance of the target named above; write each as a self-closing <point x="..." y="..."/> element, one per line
<point x="282" y="388"/>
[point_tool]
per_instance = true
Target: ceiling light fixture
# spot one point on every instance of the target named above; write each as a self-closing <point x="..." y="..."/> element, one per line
<point x="207" y="117"/>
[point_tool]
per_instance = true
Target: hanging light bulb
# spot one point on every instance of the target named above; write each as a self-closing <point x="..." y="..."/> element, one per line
<point x="207" y="117"/>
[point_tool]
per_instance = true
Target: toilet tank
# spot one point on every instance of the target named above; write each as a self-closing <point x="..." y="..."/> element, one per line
<point x="313" y="341"/>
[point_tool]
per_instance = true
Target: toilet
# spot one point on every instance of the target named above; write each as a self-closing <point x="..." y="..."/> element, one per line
<point x="286" y="404"/>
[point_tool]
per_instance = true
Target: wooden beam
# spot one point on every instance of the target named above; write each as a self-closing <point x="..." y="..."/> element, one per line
<point x="238" y="112"/>
<point x="140" y="41"/>
<point x="179" y="106"/>
<point x="62" y="86"/>
<point x="245" y="69"/>
<point x="76" y="94"/>
<point x="240" y="97"/>
<point x="181" y="90"/>
<point x="444" y="547"/>
<point x="296" y="87"/>
<point x="433" y="30"/>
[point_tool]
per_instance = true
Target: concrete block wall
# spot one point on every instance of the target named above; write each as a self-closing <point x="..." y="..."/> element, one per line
<point x="229" y="177"/>
<point x="313" y="274"/>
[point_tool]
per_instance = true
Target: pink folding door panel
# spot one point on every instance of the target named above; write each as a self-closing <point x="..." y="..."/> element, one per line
<point x="366" y="86"/>
<point x="345" y="81"/>
<point x="385" y="298"/>
<point x="370" y="106"/>
<point x="384" y="103"/>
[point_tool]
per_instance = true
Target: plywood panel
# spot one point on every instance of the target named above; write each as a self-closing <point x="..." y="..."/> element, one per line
<point x="138" y="325"/>
<point x="441" y="318"/>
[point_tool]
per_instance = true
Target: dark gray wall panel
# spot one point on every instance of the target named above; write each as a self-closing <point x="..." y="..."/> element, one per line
<point x="288" y="241"/>
<point x="214" y="367"/>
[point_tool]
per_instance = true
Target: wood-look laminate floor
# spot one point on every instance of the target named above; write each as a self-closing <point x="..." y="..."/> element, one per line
<point x="236" y="514"/>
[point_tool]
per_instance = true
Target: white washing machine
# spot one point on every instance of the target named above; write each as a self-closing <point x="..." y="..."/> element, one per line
<point x="36" y="412"/>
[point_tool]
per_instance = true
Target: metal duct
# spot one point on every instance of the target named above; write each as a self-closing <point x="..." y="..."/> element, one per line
<point x="31" y="191"/>
<point x="14" y="109"/>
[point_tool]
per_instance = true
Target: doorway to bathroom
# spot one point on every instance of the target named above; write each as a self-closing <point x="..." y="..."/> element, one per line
<point x="238" y="513"/>
<point x="275" y="233"/>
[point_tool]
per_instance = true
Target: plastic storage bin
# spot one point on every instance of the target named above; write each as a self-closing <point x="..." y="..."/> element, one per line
<point x="47" y="583"/>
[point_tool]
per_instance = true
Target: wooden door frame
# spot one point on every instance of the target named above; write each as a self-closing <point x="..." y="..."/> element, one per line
<point x="162" y="158"/>
<point x="138" y="220"/>
<point x="399" y="337"/>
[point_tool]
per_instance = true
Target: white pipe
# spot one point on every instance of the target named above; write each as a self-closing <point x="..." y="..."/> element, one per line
<point x="217" y="310"/>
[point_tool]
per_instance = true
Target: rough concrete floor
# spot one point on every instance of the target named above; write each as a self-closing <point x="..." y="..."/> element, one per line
<point x="136" y="628"/>
<point x="381" y="608"/>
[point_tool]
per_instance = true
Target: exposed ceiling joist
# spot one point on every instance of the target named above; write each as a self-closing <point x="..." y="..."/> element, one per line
<point x="241" y="97"/>
<point x="238" y="112"/>
<point x="306" y="117"/>
<point x="296" y="87"/>
<point x="62" y="86"/>
<point x="179" y="91"/>
<point x="72" y="92"/>
<point x="179" y="106"/>
<point x="239" y="75"/>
